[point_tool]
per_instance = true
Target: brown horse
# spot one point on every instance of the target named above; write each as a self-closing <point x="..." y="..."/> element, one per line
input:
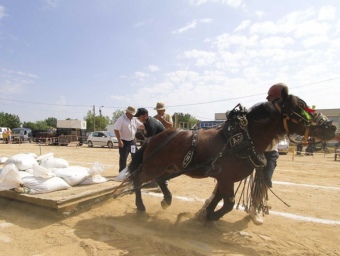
<point x="228" y="153"/>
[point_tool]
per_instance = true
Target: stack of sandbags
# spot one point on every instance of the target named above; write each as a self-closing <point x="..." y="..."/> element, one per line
<point x="34" y="174"/>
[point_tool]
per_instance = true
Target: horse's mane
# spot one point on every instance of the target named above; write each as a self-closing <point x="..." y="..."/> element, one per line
<point x="262" y="115"/>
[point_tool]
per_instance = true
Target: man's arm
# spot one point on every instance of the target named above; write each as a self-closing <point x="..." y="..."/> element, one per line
<point x="120" y="142"/>
<point x="166" y="123"/>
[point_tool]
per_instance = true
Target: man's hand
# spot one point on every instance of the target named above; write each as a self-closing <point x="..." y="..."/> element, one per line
<point x="120" y="143"/>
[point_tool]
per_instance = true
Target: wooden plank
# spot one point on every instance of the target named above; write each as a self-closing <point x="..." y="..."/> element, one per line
<point x="69" y="200"/>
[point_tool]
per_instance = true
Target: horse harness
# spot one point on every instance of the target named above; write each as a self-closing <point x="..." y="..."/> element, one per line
<point x="305" y="118"/>
<point x="239" y="143"/>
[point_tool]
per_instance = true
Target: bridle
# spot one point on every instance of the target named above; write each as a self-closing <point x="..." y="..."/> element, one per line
<point x="307" y="117"/>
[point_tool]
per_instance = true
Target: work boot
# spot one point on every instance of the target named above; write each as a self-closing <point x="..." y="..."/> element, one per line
<point x="255" y="216"/>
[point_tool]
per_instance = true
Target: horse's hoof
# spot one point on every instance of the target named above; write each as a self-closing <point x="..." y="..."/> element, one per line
<point x="164" y="204"/>
<point x="201" y="216"/>
<point x="141" y="209"/>
<point x="210" y="224"/>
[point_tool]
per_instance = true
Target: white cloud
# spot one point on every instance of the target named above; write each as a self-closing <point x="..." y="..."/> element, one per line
<point x="191" y="25"/>
<point x="202" y="58"/>
<point x="141" y="75"/>
<point x="244" y="24"/>
<point x="51" y="3"/>
<point x="276" y="42"/>
<point x="231" y="3"/>
<point x="11" y="87"/>
<point x="2" y="12"/>
<point x="143" y="23"/>
<point x="327" y="13"/>
<point x="153" y="68"/>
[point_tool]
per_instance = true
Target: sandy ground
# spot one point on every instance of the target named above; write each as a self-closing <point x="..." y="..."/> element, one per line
<point x="311" y="226"/>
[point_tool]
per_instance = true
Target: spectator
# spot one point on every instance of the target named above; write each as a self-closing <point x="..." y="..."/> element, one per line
<point x="9" y="135"/>
<point x="125" y="129"/>
<point x="163" y="117"/>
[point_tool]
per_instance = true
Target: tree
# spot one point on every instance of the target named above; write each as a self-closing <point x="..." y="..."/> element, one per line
<point x="101" y="122"/>
<point x="51" y="121"/>
<point x="9" y="120"/>
<point x="186" y="120"/>
<point x="117" y="114"/>
<point x="89" y="121"/>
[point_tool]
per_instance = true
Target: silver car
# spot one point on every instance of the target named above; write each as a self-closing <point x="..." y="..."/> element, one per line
<point x="102" y="139"/>
<point x="283" y="146"/>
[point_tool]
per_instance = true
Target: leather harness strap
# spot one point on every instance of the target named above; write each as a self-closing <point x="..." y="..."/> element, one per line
<point x="188" y="157"/>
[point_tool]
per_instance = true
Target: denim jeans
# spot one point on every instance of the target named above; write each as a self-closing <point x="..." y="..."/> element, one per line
<point x="268" y="170"/>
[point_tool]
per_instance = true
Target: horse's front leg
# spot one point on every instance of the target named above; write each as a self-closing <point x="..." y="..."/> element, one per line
<point x="138" y="193"/>
<point x="166" y="202"/>
<point x="222" y="192"/>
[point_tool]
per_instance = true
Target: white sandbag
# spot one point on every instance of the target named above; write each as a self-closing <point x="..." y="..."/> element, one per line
<point x="3" y="159"/>
<point x="53" y="162"/>
<point x="97" y="168"/>
<point x="9" y="177"/>
<point x="30" y="170"/>
<point x="37" y="185"/>
<point x="33" y="154"/>
<point x="95" y="179"/>
<point x="42" y="172"/>
<point x="122" y="175"/>
<point x="22" y="161"/>
<point x="73" y="175"/>
<point x="25" y="174"/>
<point x="45" y="156"/>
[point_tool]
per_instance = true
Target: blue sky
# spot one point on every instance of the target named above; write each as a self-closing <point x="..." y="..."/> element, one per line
<point x="59" y="58"/>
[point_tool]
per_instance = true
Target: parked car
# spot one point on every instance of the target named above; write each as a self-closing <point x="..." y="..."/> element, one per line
<point x="283" y="146"/>
<point x="102" y="139"/>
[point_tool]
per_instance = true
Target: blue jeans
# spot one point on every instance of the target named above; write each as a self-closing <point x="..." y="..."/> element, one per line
<point x="268" y="170"/>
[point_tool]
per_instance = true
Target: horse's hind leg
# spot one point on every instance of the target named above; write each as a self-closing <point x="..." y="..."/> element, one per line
<point x="166" y="202"/>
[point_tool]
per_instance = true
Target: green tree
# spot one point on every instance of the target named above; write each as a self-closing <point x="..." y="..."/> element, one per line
<point x="89" y="121"/>
<point x="186" y="120"/>
<point x="117" y="114"/>
<point x="29" y="125"/>
<point x="101" y="122"/>
<point x="9" y="120"/>
<point x="51" y="122"/>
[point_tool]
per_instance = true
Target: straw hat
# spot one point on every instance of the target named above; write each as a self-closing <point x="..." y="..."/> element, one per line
<point x="131" y="110"/>
<point x="160" y="106"/>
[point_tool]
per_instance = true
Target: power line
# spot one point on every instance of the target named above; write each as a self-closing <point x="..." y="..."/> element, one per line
<point x="181" y="105"/>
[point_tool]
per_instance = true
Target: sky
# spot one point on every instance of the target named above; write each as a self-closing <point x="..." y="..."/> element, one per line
<point x="62" y="58"/>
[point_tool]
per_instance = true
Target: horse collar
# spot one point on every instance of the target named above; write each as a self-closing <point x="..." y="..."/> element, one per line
<point x="239" y="143"/>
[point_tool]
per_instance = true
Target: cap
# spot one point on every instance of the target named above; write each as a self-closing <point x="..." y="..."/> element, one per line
<point x="141" y="111"/>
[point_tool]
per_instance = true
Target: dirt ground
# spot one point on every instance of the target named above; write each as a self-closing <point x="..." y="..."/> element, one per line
<point x="311" y="226"/>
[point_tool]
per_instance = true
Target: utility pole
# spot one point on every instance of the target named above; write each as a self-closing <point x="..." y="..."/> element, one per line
<point x="100" y="120"/>
<point x="94" y="118"/>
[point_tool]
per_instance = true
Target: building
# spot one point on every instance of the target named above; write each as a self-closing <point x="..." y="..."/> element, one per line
<point x="332" y="114"/>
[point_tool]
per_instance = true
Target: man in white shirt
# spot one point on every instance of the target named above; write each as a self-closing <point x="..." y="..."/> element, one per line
<point x="125" y="129"/>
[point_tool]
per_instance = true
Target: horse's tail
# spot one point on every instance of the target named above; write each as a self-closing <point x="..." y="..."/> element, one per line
<point x="137" y="159"/>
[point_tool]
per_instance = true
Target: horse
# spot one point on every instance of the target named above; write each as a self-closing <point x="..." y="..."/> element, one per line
<point x="228" y="153"/>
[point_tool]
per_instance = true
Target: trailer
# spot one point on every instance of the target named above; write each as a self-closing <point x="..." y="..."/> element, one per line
<point x="70" y="131"/>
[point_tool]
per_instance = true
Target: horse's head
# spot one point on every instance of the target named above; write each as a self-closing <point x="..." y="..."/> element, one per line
<point x="300" y="119"/>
